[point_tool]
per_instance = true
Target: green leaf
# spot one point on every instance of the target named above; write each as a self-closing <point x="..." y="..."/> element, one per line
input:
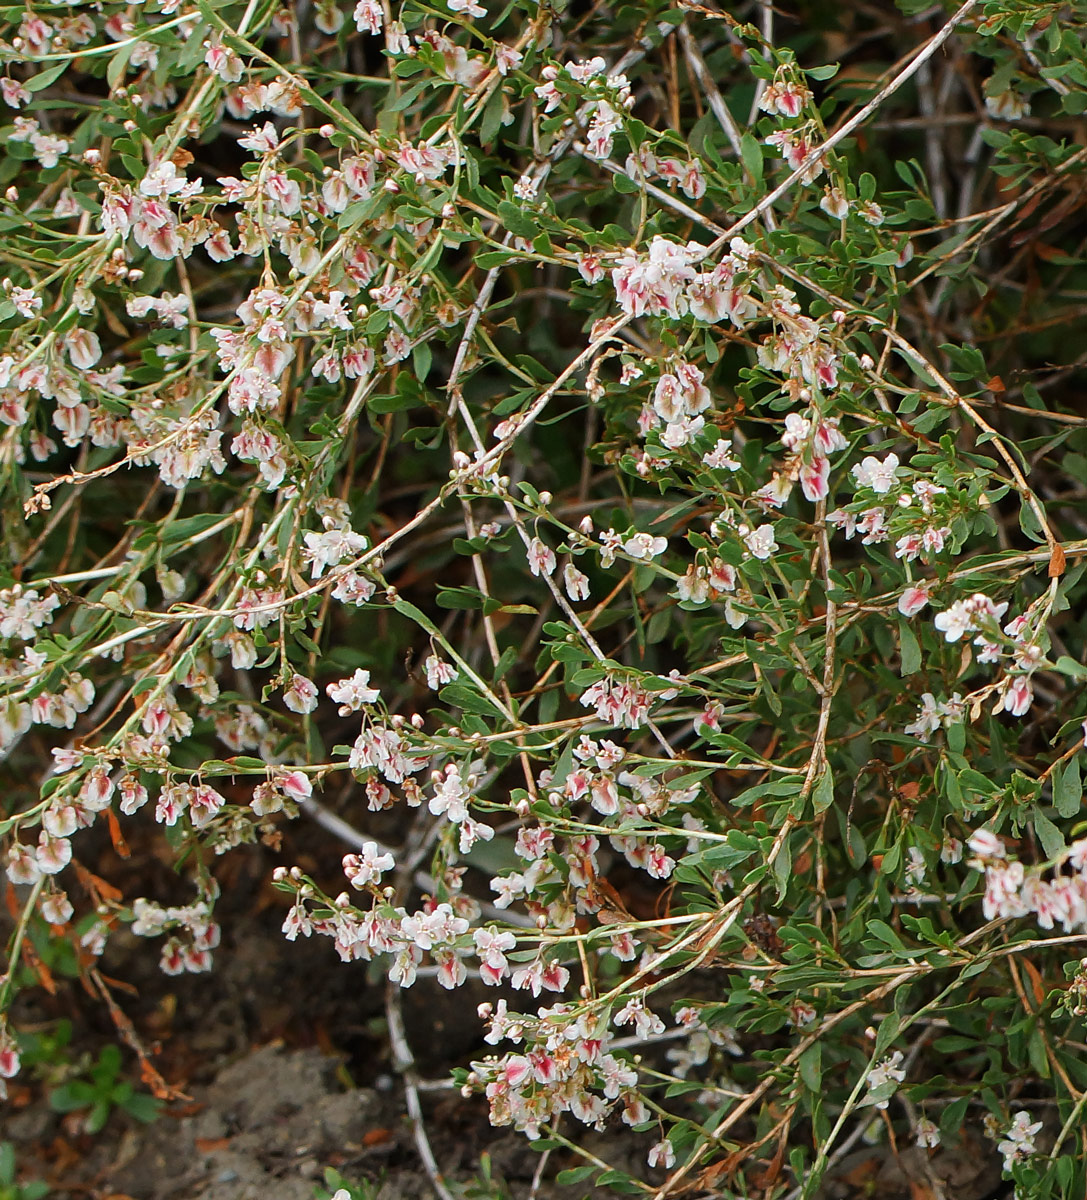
<point x="516" y="221"/>
<point x="888" y="1031"/>
<point x="751" y="154"/>
<point x="909" y="649"/>
<point x="421" y="358"/>
<point x="1053" y="844"/>
<point x="491" y="121"/>
<point x="464" y="698"/>
<point x="39" y="82"/>
<point x="576" y="1174"/>
<point x="396" y="402"/>
<point x="1068" y="789"/>
<point x="823" y="793"/>
<point x="810" y="1067"/>
<point x="186" y="528"/>
<point x="1069" y="666"/>
<point x="96" y="1119"/>
<point x="143" y="1108"/>
<point x="885" y="258"/>
<point x="461" y="597"/>
<point x="887" y="936"/>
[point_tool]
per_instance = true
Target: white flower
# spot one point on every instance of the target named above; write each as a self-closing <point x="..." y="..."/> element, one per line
<point x="879" y="476"/>
<point x="834" y="204"/>
<point x="300" y="695"/>
<point x="332" y="547"/>
<point x="351" y="694"/>
<point x="438" y="672"/>
<point x="985" y="844"/>
<point x="541" y="558"/>
<point x="368" y="865"/>
<point x="883" y="1074"/>
<point x="369" y="16"/>
<point x="912" y="600"/>
<point x="871" y="212"/>
<point x="1018" y="1143"/>
<point x="1008" y="105"/>
<point x="761" y="541"/>
<point x="576" y="582"/>
<point x="915" y="869"/>
<point x="951" y="850"/>
<point x="662" y="1154"/>
<point x="928" y="1136"/>
<point x="720" y="457"/>
<point x="969" y="616"/>
<point x="48" y="148"/>
<point x="928" y="718"/>
<point x="645" y="545"/>
<point x="451" y="795"/>
<point x="954" y="621"/>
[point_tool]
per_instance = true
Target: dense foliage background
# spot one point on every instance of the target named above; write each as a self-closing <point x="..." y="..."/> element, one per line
<point x="618" y="470"/>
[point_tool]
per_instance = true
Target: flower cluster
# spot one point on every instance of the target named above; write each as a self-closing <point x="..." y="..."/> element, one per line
<point x="566" y="1066"/>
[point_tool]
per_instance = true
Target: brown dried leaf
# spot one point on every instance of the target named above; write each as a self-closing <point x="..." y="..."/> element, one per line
<point x="1056" y="561"/>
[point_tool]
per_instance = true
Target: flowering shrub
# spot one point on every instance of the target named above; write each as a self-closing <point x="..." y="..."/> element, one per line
<point x="562" y="452"/>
